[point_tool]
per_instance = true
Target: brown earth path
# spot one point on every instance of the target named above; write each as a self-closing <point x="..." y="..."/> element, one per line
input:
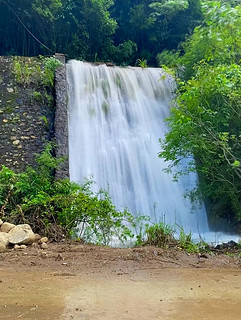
<point x="90" y="282"/>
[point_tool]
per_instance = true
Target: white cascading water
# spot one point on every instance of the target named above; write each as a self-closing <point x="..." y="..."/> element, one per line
<point x="116" y="117"/>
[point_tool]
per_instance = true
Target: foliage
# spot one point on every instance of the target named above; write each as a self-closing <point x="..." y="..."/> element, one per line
<point x="50" y="65"/>
<point x="217" y="41"/>
<point x="55" y="207"/>
<point x="142" y="63"/>
<point x="205" y="124"/>
<point x="159" y="234"/>
<point x="168" y="58"/>
<point x="22" y="72"/>
<point x="112" y="30"/>
<point x="186" y="243"/>
<point x="27" y="71"/>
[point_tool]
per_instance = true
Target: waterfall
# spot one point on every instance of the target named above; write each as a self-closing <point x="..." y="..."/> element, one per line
<point x="116" y="117"/>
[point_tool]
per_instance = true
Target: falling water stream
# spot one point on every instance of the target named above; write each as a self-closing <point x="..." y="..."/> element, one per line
<point x="116" y="118"/>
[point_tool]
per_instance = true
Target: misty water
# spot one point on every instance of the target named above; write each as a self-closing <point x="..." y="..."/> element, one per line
<point x="116" y="118"/>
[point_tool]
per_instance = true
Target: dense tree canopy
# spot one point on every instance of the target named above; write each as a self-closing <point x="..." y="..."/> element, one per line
<point x="207" y="120"/>
<point x="111" y="30"/>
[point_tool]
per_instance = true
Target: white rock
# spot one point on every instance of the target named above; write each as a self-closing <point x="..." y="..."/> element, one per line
<point x="16" y="142"/>
<point x="44" y="245"/>
<point x="1" y="222"/>
<point x="4" y="238"/>
<point x="21" y="234"/>
<point x="44" y="240"/>
<point x="6" y="227"/>
<point x="17" y="247"/>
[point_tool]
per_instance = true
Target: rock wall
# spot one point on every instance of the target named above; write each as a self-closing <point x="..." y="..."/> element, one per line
<point x="61" y="118"/>
<point x="26" y="112"/>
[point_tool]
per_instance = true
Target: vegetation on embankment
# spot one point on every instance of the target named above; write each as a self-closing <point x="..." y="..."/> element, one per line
<point x="58" y="207"/>
<point x="206" y="120"/>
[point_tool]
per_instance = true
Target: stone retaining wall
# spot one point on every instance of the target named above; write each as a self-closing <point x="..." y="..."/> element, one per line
<point x="61" y="118"/>
<point x="28" y="119"/>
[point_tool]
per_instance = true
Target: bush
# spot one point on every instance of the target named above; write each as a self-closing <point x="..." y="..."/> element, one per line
<point x="159" y="234"/>
<point x="59" y="207"/>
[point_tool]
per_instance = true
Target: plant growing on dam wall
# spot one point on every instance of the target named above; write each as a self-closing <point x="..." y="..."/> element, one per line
<point x="36" y="71"/>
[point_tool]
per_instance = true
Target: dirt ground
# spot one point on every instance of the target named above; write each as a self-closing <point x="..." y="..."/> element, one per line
<point x="74" y="281"/>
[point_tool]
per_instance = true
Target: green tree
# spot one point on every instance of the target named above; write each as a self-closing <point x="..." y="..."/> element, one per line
<point x="205" y="124"/>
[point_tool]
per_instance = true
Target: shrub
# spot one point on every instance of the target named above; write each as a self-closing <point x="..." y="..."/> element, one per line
<point x="159" y="234"/>
<point x="59" y="207"/>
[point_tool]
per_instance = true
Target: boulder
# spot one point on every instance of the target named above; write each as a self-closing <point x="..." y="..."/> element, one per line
<point x="6" y="227"/>
<point x="21" y="234"/>
<point x="1" y="222"/>
<point x="4" y="238"/>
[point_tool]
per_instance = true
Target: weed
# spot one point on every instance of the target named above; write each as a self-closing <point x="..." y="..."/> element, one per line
<point x="50" y="66"/>
<point x="37" y="96"/>
<point x="186" y="243"/>
<point x="159" y="234"/>
<point x="46" y="123"/>
<point x="142" y="63"/>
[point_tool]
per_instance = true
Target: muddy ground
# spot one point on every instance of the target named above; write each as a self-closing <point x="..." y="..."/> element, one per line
<point x="74" y="281"/>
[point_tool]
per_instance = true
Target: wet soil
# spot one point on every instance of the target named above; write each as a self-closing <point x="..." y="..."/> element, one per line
<point x="72" y="281"/>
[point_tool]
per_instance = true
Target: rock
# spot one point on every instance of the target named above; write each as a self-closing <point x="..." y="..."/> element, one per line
<point x="1" y="222"/>
<point x="37" y="237"/>
<point x="6" y="227"/>
<point x="17" y="247"/>
<point x="16" y="142"/>
<point x="2" y="247"/>
<point x="23" y="246"/>
<point x="21" y="234"/>
<point x="44" y="245"/>
<point x="232" y="244"/>
<point x="229" y="245"/>
<point x="44" y="240"/>
<point x="4" y="238"/>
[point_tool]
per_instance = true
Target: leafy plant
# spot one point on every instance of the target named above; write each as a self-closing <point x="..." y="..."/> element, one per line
<point x="142" y="63"/>
<point x="50" y="65"/>
<point x="159" y="234"/>
<point x="185" y="242"/>
<point x="37" y="96"/>
<point x="56" y="207"/>
<point x="22" y="72"/>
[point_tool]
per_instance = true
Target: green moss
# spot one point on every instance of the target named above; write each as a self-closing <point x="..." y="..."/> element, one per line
<point x="105" y="107"/>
